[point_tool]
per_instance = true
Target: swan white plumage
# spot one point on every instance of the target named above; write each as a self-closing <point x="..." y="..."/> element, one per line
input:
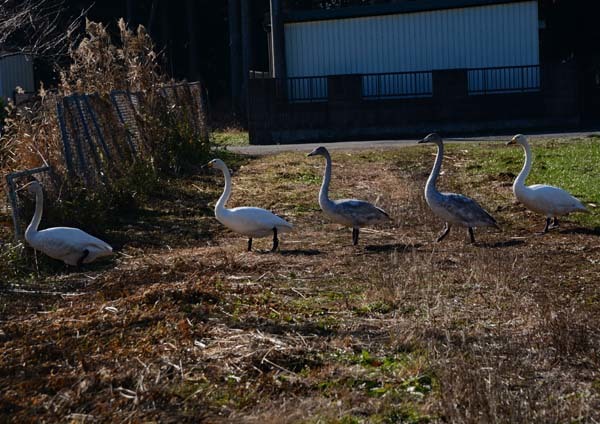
<point x="544" y="199"/>
<point x="454" y="209"/>
<point x="70" y="245"/>
<point x="348" y="212"/>
<point x="249" y="221"/>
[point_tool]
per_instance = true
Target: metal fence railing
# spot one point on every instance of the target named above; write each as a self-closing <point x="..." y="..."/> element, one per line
<point x="304" y="89"/>
<point x="395" y="85"/>
<point x="100" y="135"/>
<point x="507" y="79"/>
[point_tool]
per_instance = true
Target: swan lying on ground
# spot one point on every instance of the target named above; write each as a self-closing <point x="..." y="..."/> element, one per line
<point x="249" y="221"/>
<point x="348" y="212"/>
<point x="455" y="209"/>
<point x="70" y="245"/>
<point x="544" y="199"/>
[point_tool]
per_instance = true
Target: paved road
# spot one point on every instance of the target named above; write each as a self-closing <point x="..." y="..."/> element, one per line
<point x="385" y="144"/>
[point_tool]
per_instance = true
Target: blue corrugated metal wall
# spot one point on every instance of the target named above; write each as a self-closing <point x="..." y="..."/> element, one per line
<point x="15" y="70"/>
<point x="473" y="37"/>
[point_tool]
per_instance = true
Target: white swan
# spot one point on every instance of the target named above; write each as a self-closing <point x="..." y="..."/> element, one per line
<point x="455" y="209"/>
<point x="70" y="245"/>
<point x="249" y="221"/>
<point x="348" y="212"/>
<point x="547" y="200"/>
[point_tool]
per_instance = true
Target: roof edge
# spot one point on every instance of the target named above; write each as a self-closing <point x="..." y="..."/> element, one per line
<point x="405" y="6"/>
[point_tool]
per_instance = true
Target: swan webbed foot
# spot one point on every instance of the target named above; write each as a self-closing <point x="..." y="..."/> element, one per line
<point x="554" y="224"/>
<point x="86" y="252"/>
<point x="471" y="235"/>
<point x="355" y="232"/>
<point x="275" y="240"/>
<point x="250" y="244"/>
<point x="444" y="232"/>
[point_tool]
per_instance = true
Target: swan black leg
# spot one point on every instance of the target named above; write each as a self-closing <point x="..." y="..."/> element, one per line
<point x="249" y="244"/>
<point x="355" y="232"/>
<point x="275" y="240"/>
<point x="85" y="255"/>
<point x="554" y="224"/>
<point x="547" y="227"/>
<point x="444" y="233"/>
<point x="471" y="235"/>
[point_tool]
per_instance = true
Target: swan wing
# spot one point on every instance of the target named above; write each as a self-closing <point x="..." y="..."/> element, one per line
<point x="66" y="243"/>
<point x="254" y="221"/>
<point x="553" y="200"/>
<point x="360" y="212"/>
<point x="466" y="210"/>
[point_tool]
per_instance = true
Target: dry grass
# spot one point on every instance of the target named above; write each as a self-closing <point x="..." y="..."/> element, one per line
<point x="185" y="325"/>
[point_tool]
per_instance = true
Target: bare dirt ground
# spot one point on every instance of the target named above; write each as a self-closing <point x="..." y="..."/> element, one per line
<point x="185" y="326"/>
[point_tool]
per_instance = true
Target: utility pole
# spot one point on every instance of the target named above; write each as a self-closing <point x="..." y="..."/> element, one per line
<point x="246" y="53"/>
<point x="277" y="40"/>
<point x="235" y="54"/>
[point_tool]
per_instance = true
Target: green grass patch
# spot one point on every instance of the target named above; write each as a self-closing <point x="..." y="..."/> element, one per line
<point x="569" y="164"/>
<point x="230" y="137"/>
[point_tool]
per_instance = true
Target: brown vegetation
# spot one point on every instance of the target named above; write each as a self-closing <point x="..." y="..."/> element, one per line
<point x="185" y="326"/>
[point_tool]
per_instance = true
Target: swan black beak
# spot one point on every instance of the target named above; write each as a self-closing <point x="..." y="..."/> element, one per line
<point x="421" y="141"/>
<point x="508" y="143"/>
<point x="311" y="154"/>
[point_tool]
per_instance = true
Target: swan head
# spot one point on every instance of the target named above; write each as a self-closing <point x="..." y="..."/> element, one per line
<point x="518" y="139"/>
<point x="216" y="163"/>
<point x="319" y="151"/>
<point x="431" y="138"/>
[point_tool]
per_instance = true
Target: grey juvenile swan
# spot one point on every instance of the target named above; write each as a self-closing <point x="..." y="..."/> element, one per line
<point x="453" y="208"/>
<point x="348" y="212"/>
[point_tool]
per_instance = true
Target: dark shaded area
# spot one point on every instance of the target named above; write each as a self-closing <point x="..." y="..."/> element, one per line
<point x="192" y="35"/>
<point x="500" y="244"/>
<point x="581" y="230"/>
<point x="399" y="247"/>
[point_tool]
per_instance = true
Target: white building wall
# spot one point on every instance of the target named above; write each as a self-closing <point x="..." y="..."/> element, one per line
<point x="473" y="37"/>
<point x="16" y="70"/>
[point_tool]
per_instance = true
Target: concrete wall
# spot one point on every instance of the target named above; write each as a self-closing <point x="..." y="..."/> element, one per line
<point x="346" y="114"/>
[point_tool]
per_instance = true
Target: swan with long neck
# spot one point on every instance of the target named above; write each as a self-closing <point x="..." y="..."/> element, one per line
<point x="70" y="245"/>
<point x="249" y="221"/>
<point x="546" y="200"/>
<point x="454" y="209"/>
<point x="348" y="212"/>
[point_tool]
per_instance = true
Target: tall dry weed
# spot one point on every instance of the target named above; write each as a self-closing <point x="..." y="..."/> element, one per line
<point x="100" y="65"/>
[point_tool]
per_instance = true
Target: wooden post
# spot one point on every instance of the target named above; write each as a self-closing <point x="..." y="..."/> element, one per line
<point x="277" y="40"/>
<point x="235" y="53"/>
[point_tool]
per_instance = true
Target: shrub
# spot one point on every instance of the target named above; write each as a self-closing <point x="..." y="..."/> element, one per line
<point x="99" y="65"/>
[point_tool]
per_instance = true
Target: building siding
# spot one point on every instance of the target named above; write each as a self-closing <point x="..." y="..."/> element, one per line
<point x="16" y="70"/>
<point x="472" y="37"/>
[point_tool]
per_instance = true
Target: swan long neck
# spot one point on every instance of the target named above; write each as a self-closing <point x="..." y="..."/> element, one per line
<point x="324" y="192"/>
<point x="32" y="228"/>
<point x="430" y="186"/>
<point x="520" y="180"/>
<point x="220" y="206"/>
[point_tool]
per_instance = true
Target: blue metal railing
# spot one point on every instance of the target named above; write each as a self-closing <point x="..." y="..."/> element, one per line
<point x="395" y="85"/>
<point x="507" y="79"/>
<point x="304" y="89"/>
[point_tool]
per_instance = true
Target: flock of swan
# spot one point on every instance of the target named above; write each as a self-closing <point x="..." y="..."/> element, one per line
<point x="76" y="247"/>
